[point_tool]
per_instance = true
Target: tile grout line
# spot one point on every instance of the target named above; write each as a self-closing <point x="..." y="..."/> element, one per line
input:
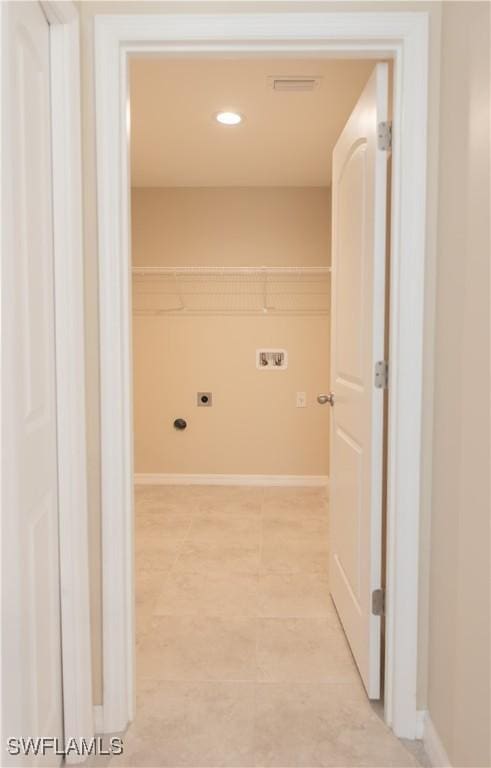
<point x="256" y="633"/>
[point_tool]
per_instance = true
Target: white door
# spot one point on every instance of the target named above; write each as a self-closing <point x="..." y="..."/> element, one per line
<point x="31" y="636"/>
<point x="359" y="190"/>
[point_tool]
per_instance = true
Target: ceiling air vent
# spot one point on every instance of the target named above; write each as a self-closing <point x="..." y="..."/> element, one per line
<point x="294" y="83"/>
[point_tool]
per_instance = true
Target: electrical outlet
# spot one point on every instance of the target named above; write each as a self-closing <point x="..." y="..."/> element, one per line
<point x="301" y="399"/>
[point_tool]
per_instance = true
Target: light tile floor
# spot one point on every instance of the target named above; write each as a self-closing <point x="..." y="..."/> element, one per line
<point x="241" y="660"/>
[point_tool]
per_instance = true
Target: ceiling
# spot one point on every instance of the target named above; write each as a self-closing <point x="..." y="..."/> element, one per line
<point x="286" y="138"/>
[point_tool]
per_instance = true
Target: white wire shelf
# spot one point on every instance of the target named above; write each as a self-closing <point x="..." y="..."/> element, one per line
<point x="231" y="290"/>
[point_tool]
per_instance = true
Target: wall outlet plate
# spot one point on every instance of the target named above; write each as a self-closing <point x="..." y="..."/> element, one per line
<point x="301" y="399"/>
<point x="204" y="399"/>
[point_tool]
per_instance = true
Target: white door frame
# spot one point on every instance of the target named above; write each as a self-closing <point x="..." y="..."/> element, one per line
<point x="397" y="35"/>
<point x="70" y="369"/>
<point x="70" y="354"/>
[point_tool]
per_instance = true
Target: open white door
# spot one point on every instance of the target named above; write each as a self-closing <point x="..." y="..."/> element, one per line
<point x="32" y="703"/>
<point x="359" y="191"/>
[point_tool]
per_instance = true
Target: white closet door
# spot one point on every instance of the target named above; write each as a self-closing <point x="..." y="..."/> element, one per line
<point x="31" y="635"/>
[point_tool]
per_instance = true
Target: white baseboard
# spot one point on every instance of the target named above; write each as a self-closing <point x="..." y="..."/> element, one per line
<point x="433" y="745"/>
<point x="280" y="480"/>
<point x="421" y="715"/>
<point x="98" y="715"/>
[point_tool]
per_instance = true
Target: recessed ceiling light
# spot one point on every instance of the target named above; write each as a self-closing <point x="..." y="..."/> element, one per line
<point x="228" y="118"/>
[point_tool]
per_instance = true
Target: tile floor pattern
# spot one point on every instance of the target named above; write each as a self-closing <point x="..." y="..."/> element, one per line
<point x="241" y="660"/>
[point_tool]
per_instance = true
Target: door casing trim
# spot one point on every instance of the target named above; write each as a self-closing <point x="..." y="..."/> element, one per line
<point x="401" y="36"/>
<point x="70" y="370"/>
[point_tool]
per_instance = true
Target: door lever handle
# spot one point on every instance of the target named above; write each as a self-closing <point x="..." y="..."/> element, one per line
<point x="323" y="399"/>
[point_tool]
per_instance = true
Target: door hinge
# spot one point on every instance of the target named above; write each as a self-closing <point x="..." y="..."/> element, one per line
<point x="378" y="602"/>
<point x="382" y="374"/>
<point x="384" y="136"/>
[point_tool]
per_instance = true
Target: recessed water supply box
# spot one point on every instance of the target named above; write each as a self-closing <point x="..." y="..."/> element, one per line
<point x="271" y="359"/>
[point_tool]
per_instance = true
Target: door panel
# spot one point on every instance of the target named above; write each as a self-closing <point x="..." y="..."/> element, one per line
<point x="357" y="342"/>
<point x="31" y="630"/>
<point x="349" y="276"/>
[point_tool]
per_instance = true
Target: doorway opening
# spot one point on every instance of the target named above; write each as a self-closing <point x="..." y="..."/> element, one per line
<point x="401" y="37"/>
<point x="232" y="369"/>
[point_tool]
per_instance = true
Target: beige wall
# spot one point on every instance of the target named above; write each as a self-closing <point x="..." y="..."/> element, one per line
<point x="254" y="426"/>
<point x="88" y="10"/>
<point x="460" y="643"/>
<point x="231" y="226"/>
